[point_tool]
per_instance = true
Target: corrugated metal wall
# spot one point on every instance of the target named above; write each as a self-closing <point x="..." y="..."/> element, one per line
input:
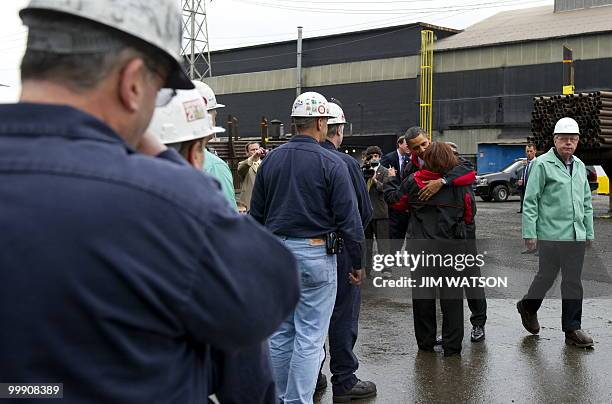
<point x="566" y="5"/>
<point x="480" y="89"/>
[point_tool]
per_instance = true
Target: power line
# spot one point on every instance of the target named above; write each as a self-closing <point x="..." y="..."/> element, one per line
<point x="258" y="40"/>
<point x="473" y="6"/>
<point x="14" y="34"/>
<point x="357" y="2"/>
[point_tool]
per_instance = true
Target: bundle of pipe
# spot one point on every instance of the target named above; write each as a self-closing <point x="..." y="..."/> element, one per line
<point x="592" y="111"/>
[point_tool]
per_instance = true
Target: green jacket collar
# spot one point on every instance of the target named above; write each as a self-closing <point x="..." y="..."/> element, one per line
<point x="553" y="157"/>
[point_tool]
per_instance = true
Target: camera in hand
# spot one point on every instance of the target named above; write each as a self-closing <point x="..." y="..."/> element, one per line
<point x="369" y="168"/>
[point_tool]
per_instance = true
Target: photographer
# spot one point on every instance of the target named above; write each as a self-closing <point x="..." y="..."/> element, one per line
<point x="247" y="171"/>
<point x="375" y="175"/>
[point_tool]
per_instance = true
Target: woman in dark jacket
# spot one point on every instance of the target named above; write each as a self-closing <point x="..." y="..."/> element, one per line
<point x="437" y="228"/>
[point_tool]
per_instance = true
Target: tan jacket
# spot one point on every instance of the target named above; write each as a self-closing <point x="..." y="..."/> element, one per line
<point x="247" y="171"/>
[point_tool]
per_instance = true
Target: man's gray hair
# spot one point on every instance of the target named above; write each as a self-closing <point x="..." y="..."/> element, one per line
<point x="332" y="130"/>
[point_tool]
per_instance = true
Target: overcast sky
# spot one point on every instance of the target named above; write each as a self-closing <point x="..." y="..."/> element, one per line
<point x="233" y="23"/>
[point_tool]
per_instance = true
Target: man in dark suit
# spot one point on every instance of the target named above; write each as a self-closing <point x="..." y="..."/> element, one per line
<point x="530" y="152"/>
<point x="398" y="221"/>
<point x="379" y="225"/>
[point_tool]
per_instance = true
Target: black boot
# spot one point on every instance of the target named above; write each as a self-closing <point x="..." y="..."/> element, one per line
<point x="361" y="389"/>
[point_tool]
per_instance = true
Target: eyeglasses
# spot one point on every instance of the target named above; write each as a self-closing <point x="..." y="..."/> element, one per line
<point x="573" y="139"/>
<point x="164" y="96"/>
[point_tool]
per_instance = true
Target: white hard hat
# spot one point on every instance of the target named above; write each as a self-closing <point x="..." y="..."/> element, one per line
<point x="215" y="129"/>
<point x="183" y="119"/>
<point x="208" y="94"/>
<point x="567" y="126"/>
<point x="337" y="114"/>
<point x="311" y="105"/>
<point x="156" y="22"/>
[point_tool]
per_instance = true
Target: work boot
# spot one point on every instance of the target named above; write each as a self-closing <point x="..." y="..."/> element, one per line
<point x="362" y="389"/>
<point x="530" y="321"/>
<point x="321" y="382"/>
<point x="478" y="333"/>
<point x="578" y="338"/>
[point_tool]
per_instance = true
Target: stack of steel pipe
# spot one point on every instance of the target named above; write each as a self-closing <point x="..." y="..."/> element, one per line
<point x="592" y="111"/>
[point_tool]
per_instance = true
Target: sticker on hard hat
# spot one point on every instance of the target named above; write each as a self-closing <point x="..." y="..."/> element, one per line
<point x="194" y="110"/>
<point x="321" y="109"/>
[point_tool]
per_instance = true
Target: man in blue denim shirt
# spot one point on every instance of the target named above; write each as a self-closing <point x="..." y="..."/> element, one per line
<point x="119" y="269"/>
<point x="303" y="192"/>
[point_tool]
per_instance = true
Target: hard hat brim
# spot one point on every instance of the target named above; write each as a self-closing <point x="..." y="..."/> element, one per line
<point x="328" y="116"/>
<point x="178" y="79"/>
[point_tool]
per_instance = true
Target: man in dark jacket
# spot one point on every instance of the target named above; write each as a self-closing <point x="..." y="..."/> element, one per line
<point x="530" y="153"/>
<point x="303" y="194"/>
<point x="120" y="269"/>
<point x="435" y="227"/>
<point x="343" y="328"/>
<point x="418" y="143"/>
<point x="398" y="221"/>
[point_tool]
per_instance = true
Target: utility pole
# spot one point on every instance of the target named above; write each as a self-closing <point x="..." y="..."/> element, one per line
<point x="298" y="86"/>
<point x="568" y="71"/>
<point x="196" y="50"/>
<point x="426" y="102"/>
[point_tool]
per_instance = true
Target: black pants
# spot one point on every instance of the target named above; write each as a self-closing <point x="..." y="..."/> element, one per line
<point x="424" y="312"/>
<point x="522" y="194"/>
<point x="425" y="326"/>
<point x="398" y="225"/>
<point x="380" y="229"/>
<point x="343" y="329"/>
<point x="476" y="300"/>
<point x="567" y="256"/>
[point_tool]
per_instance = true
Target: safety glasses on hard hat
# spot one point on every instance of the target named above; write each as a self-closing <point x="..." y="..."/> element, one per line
<point x="164" y="96"/>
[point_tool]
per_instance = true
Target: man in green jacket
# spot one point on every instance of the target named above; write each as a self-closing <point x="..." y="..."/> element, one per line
<point x="213" y="164"/>
<point x="219" y="169"/>
<point x="558" y="219"/>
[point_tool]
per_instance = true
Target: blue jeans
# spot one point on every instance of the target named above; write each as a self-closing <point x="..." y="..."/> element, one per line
<point x="296" y="348"/>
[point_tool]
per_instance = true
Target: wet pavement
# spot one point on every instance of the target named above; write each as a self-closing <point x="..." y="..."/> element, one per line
<point x="510" y="366"/>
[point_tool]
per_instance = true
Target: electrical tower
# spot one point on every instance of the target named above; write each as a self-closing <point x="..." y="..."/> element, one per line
<point x="196" y="50"/>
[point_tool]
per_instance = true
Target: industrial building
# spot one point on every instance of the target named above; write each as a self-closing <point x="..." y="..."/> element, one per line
<point x="484" y="80"/>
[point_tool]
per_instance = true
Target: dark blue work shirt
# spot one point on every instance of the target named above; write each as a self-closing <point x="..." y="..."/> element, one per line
<point x="119" y="270"/>
<point x="302" y="190"/>
<point x="359" y="184"/>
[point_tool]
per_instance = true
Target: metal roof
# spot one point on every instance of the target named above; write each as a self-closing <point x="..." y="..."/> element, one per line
<point x="529" y="24"/>
<point x="373" y="31"/>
